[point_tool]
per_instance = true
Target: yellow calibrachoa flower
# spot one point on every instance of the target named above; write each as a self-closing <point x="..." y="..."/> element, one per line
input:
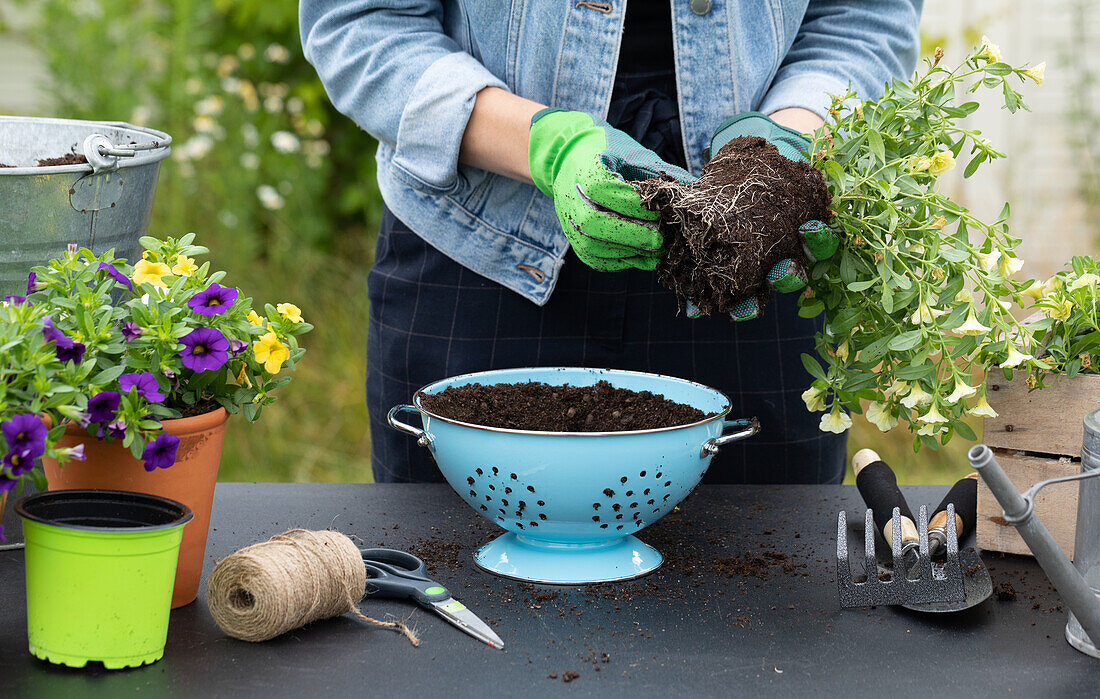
<point x="939" y="222"/>
<point x="185" y="266"/>
<point x="898" y="388"/>
<point x="917" y="396"/>
<point x="962" y="390"/>
<point x="988" y="260"/>
<point x="254" y="318"/>
<point x="942" y="161"/>
<point x="290" y="312"/>
<point x="270" y="352"/>
<point x="989" y="51"/>
<point x="972" y="326"/>
<point x="982" y="409"/>
<point x="814" y="398"/>
<point x="1060" y="311"/>
<point x="964" y="296"/>
<point x="1051" y="285"/>
<point x="920" y="164"/>
<point x="1010" y="265"/>
<point x="932" y="417"/>
<point x="842" y="350"/>
<point x="1035" y="291"/>
<point x="146" y="272"/>
<point x="1089" y="279"/>
<point x="879" y="415"/>
<point x="1036" y="73"/>
<point x="1015" y="357"/>
<point x="930" y="430"/>
<point x="835" y="421"/>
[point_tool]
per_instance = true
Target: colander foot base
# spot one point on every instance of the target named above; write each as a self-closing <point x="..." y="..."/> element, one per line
<point x="522" y="558"/>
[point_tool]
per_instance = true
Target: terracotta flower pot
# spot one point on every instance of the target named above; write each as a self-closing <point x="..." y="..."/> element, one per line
<point x="190" y="480"/>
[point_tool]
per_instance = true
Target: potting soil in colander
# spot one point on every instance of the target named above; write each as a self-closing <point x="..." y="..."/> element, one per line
<point x="726" y="230"/>
<point x="542" y="407"/>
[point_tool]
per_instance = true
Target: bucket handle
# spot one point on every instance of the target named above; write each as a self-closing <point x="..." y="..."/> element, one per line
<point x="103" y="155"/>
<point x="745" y="429"/>
<point x="422" y="438"/>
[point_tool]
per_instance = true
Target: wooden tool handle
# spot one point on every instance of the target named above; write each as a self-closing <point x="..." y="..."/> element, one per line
<point x="879" y="487"/>
<point x="964" y="496"/>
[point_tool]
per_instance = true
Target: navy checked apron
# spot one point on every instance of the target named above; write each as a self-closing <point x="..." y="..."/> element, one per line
<point x="431" y="318"/>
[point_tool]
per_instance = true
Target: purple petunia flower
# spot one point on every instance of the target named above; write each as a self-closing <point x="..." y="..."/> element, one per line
<point x="67" y="350"/>
<point x="145" y="383"/>
<point x="237" y="346"/>
<point x="103" y="406"/>
<point x="20" y="459"/>
<point x="161" y="452"/>
<point x="119" y="276"/>
<point x="214" y="300"/>
<point x="25" y="428"/>
<point x="15" y="300"/>
<point x="6" y="483"/>
<point x="131" y="330"/>
<point x="114" y="430"/>
<point x="30" y="282"/>
<point x="204" y="349"/>
<point x="77" y="453"/>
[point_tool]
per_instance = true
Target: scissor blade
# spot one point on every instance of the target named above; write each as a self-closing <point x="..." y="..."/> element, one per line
<point x="457" y="614"/>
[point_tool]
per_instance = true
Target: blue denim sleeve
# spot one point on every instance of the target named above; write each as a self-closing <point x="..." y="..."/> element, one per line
<point x="390" y="68"/>
<point x="846" y="41"/>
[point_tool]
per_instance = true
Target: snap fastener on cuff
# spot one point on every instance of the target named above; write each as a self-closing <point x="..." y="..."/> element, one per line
<point x="699" y="7"/>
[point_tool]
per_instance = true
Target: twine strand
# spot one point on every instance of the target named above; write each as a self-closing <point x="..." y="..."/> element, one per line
<point x="288" y="581"/>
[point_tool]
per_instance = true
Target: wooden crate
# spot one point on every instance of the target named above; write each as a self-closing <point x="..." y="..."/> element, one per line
<point x="1036" y="435"/>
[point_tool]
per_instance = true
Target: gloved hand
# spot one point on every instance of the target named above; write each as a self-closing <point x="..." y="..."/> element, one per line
<point x="818" y="240"/>
<point x="584" y="164"/>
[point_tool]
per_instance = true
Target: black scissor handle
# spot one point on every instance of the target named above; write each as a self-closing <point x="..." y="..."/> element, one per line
<point x="398" y="574"/>
<point x="404" y="563"/>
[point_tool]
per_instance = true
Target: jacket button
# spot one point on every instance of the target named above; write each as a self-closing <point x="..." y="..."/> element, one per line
<point x="700" y="7"/>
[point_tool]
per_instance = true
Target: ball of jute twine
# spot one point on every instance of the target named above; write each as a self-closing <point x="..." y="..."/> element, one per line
<point x="288" y="581"/>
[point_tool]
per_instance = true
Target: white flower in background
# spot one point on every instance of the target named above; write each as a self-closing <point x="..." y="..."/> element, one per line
<point x="932" y="417"/>
<point x="972" y="326"/>
<point x="273" y="104"/>
<point x="89" y="9"/>
<point x="982" y="409"/>
<point x="962" y="390"/>
<point x="835" y="421"/>
<point x="988" y="260"/>
<point x="204" y="123"/>
<point x="814" y="398"/>
<point x="185" y="169"/>
<point x="1010" y="265"/>
<point x="285" y="142"/>
<point x="227" y="65"/>
<point x="231" y="85"/>
<point x="246" y="51"/>
<point x="295" y="105"/>
<point x="917" y="396"/>
<point x="141" y="115"/>
<point x="270" y="198"/>
<point x="209" y="106"/>
<point x="250" y="161"/>
<point x="314" y="128"/>
<point x="193" y="86"/>
<point x="879" y="415"/>
<point x="197" y="147"/>
<point x="317" y="147"/>
<point x="1015" y="357"/>
<point x="1089" y="279"/>
<point x="228" y="218"/>
<point x="251" y="135"/>
<point x="277" y="53"/>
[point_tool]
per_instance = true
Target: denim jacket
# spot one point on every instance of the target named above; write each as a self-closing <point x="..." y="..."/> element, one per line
<point x="408" y="72"/>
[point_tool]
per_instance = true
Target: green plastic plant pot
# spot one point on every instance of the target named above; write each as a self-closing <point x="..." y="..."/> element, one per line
<point x="100" y="569"/>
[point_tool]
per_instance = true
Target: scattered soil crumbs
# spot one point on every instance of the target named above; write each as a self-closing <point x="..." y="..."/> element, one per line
<point x="67" y="159"/>
<point x="569" y="676"/>
<point x="1005" y="592"/>
<point x="5" y="165"/>
<point x="542" y="407"/>
<point x="973" y="570"/>
<point x="726" y="230"/>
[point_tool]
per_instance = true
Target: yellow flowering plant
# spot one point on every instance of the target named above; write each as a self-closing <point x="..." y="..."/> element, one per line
<point x="921" y="292"/>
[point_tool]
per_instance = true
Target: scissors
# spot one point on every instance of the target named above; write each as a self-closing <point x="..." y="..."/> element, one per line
<point x="401" y="575"/>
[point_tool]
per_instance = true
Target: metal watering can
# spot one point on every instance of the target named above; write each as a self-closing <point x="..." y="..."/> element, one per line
<point x="1077" y="582"/>
<point x="102" y="204"/>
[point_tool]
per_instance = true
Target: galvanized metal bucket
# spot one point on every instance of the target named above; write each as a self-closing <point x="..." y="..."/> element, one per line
<point x="101" y="205"/>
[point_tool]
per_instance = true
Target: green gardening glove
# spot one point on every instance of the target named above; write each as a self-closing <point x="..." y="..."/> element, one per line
<point x="819" y="241"/>
<point x="585" y="165"/>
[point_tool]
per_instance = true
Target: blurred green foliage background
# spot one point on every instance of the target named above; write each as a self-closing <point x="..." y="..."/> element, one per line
<point x="281" y="188"/>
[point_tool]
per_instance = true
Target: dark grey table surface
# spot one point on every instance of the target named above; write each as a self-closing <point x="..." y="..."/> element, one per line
<point x="710" y="621"/>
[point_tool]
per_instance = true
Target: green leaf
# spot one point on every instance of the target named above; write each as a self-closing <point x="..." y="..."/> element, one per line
<point x="813" y="367"/>
<point x="862" y="286"/>
<point x="906" y="341"/>
<point x="965" y="431"/>
<point x="874" y="142"/>
<point x="108" y="375"/>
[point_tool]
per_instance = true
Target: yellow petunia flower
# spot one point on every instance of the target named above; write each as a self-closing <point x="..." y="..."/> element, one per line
<point x="962" y="390"/>
<point x="146" y="272"/>
<point x="1036" y="73"/>
<point x="185" y="266"/>
<point x="814" y="398"/>
<point x="988" y="260"/>
<point x="836" y="422"/>
<point x="1015" y="357"/>
<point x="982" y="409"/>
<point x="1060" y="311"/>
<point x="1011" y="265"/>
<point x="917" y="396"/>
<point x="290" y="312"/>
<point x="1088" y="279"/>
<point x="972" y="326"/>
<point x="1035" y="291"/>
<point x="989" y="51"/>
<point x="932" y="417"/>
<point x="941" y="162"/>
<point x="920" y="164"/>
<point x="879" y="415"/>
<point x="254" y="318"/>
<point x="270" y="352"/>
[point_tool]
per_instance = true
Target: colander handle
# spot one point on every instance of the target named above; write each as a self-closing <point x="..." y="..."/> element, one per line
<point x="422" y="438"/>
<point x="745" y="429"/>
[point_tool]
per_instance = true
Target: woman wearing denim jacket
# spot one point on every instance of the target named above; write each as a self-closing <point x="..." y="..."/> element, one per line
<point x="490" y="255"/>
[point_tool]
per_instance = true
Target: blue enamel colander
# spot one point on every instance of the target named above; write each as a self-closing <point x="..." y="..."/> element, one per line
<point x="572" y="501"/>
